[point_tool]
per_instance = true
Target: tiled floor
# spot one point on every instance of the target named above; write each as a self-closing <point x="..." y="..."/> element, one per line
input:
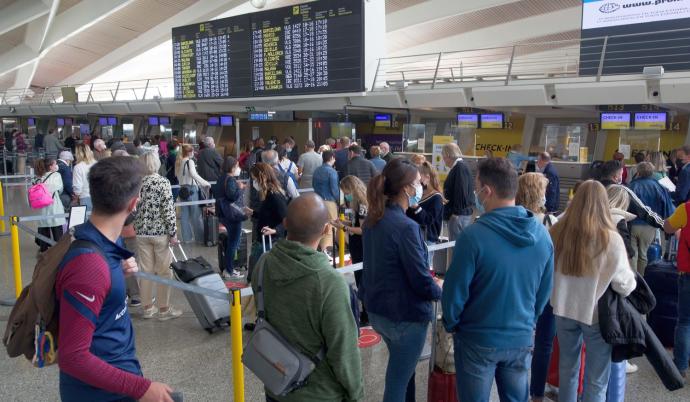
<point x="181" y="354"/>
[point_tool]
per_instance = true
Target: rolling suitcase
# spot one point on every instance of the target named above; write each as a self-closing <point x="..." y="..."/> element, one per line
<point x="442" y="385"/>
<point x="222" y="239"/>
<point x="212" y="313"/>
<point x="210" y="230"/>
<point x="662" y="278"/>
<point x="553" y="377"/>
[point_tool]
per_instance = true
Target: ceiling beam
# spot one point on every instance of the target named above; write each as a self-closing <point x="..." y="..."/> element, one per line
<point x="202" y="11"/>
<point x="498" y="35"/>
<point x="21" y="12"/>
<point x="432" y="10"/>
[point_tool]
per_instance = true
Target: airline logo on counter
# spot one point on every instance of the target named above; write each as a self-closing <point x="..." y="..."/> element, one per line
<point x="608" y="13"/>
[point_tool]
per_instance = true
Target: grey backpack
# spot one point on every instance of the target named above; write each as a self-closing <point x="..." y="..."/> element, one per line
<point x="281" y="366"/>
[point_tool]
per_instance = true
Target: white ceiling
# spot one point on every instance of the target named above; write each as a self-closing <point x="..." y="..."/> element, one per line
<point x="53" y="42"/>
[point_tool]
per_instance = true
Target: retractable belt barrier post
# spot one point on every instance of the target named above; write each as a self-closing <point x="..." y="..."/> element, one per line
<point x="16" y="262"/>
<point x="2" y="210"/>
<point x="237" y="348"/>
<point x="341" y="244"/>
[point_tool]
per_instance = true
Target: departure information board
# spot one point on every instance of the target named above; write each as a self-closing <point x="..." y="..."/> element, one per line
<point x="310" y="48"/>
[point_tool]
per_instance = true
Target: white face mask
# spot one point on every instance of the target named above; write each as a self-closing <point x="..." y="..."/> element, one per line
<point x="236" y="172"/>
<point x="256" y="186"/>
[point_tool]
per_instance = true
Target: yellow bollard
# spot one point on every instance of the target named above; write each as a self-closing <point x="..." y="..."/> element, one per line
<point x="341" y="244"/>
<point x="237" y="347"/>
<point x="14" y="233"/>
<point x="2" y="210"/>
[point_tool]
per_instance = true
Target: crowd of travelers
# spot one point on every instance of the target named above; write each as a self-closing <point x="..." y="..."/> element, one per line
<point x="525" y="268"/>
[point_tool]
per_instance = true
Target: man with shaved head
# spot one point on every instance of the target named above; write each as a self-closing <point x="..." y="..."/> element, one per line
<point x="308" y="303"/>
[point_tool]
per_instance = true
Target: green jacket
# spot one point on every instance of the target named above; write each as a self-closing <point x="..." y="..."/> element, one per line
<point x="308" y="302"/>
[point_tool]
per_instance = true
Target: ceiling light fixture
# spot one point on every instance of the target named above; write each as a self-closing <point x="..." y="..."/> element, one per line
<point x="258" y="3"/>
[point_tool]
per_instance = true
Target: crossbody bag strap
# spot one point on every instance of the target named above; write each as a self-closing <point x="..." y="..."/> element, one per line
<point x="261" y="310"/>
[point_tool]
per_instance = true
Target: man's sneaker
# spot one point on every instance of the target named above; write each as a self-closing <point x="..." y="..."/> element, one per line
<point x="630" y="368"/>
<point x="134" y="302"/>
<point x="169" y="313"/>
<point x="150" y="312"/>
<point x="232" y="277"/>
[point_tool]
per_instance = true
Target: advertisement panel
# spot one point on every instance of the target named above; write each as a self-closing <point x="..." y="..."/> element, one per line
<point x="437" y="159"/>
<point x="610" y="13"/>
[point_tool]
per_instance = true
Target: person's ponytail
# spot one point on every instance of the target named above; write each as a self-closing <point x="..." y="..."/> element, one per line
<point x="376" y="200"/>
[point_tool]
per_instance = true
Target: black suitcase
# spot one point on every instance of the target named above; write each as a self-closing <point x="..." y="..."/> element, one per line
<point x="662" y="278"/>
<point x="210" y="230"/>
<point x="241" y="257"/>
<point x="222" y="239"/>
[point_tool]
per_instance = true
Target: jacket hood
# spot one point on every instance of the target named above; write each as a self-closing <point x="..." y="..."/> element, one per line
<point x="289" y="261"/>
<point x="618" y="214"/>
<point x="515" y="224"/>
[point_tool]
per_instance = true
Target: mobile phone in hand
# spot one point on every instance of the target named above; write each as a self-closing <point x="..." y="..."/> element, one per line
<point x="177" y="396"/>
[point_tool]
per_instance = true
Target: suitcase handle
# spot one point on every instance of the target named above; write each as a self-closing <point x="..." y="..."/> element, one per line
<point x="181" y="250"/>
<point x="263" y="241"/>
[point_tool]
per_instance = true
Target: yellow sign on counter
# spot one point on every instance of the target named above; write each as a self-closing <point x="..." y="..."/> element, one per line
<point x="437" y="159"/>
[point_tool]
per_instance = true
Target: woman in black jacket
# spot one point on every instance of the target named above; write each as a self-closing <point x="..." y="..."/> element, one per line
<point x="428" y="211"/>
<point x="272" y="208"/>
<point x="229" y="201"/>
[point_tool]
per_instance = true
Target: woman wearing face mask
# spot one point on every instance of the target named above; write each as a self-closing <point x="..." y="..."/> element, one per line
<point x="355" y="194"/>
<point x="531" y="194"/>
<point x="272" y="208"/>
<point x="185" y="170"/>
<point x="397" y="286"/>
<point x="229" y="201"/>
<point x="47" y="173"/>
<point x="426" y="208"/>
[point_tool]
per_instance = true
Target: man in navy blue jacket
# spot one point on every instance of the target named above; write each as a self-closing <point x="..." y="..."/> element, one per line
<point x="683" y="186"/>
<point x="497" y="285"/>
<point x="654" y="195"/>
<point x="65" y="170"/>
<point x="553" y="189"/>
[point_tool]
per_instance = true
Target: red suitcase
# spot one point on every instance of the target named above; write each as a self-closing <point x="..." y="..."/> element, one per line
<point x="442" y="386"/>
<point x="552" y="378"/>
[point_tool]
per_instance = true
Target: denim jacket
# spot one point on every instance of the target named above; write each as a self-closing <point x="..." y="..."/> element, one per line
<point x="325" y="183"/>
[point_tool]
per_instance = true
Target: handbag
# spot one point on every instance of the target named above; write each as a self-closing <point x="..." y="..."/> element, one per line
<point x="186" y="190"/>
<point x="230" y="212"/>
<point x="272" y="358"/>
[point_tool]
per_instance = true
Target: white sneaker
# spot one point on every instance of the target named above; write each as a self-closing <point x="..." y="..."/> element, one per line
<point x="630" y="368"/>
<point x="150" y="312"/>
<point x="232" y="277"/>
<point x="169" y="314"/>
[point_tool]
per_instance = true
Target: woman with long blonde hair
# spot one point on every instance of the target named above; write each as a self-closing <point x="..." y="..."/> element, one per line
<point x="191" y="184"/>
<point x="428" y="209"/>
<point x="589" y="256"/>
<point x="80" y="173"/>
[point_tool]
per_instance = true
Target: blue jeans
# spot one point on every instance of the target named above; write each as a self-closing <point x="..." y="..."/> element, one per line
<point x="476" y="366"/>
<point x="86" y="201"/>
<point x="405" y="341"/>
<point x="192" y="225"/>
<point x="456" y="224"/>
<point x="543" y="346"/>
<point x="571" y="334"/>
<point x="681" y="350"/>
<point x="234" y="231"/>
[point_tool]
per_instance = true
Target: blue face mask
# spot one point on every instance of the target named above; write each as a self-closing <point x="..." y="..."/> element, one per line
<point x="348" y="197"/>
<point x="477" y="203"/>
<point x="418" y="191"/>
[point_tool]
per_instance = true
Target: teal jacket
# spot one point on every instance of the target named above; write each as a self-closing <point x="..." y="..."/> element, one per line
<point x="500" y="279"/>
<point x="308" y="302"/>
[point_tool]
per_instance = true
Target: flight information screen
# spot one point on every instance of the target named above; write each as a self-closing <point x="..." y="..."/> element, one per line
<point x="304" y="49"/>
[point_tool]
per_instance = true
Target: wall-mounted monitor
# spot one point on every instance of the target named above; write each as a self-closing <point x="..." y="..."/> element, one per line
<point x="214" y="121"/>
<point x="31" y="121"/>
<point x="226" y="120"/>
<point x="468" y="120"/>
<point x="112" y="121"/>
<point x="102" y="121"/>
<point x="651" y="121"/>
<point x="615" y="121"/>
<point x="84" y="128"/>
<point x="153" y="120"/>
<point x="272" y="116"/>
<point x="383" y="120"/>
<point x="491" y="120"/>
<point x="164" y="120"/>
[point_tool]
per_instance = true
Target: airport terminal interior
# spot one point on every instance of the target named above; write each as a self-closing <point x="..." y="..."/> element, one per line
<point x="578" y="82"/>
